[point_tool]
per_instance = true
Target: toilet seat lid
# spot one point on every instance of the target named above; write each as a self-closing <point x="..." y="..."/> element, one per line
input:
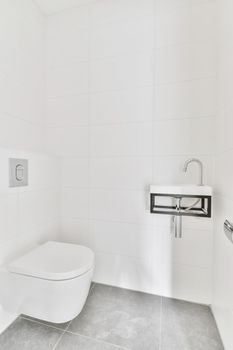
<point x="54" y="261"/>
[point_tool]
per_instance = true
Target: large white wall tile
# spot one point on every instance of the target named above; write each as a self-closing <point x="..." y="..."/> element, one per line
<point x="120" y="205"/>
<point x="170" y="24"/>
<point x="225" y="83"/>
<point x="44" y="172"/>
<point x="133" y="139"/>
<point x="5" y="154"/>
<point x="126" y="105"/>
<point x="167" y="5"/>
<point x="9" y="216"/>
<point x="63" y="29"/>
<point x="121" y="172"/>
<point x="68" y="79"/>
<point x="223" y="175"/>
<point x="68" y="21"/>
<point x="60" y="52"/>
<point x="114" y="38"/>
<point x="223" y="132"/>
<point x="180" y="137"/>
<point x="169" y="170"/>
<point x="24" y="211"/>
<point x="74" y="108"/>
<point x="127" y="272"/>
<point x="76" y="231"/>
<point x="111" y="10"/>
<point x="122" y="72"/>
<point x="20" y="245"/>
<point x="186" y="62"/>
<point x="22" y="80"/>
<point x="37" y="208"/>
<point x="29" y="101"/>
<point x="75" y="203"/>
<point x="16" y="134"/>
<point x="187" y="283"/>
<point x="185" y="100"/>
<point x="68" y="141"/>
<point x="75" y="172"/>
<point x="126" y="239"/>
<point x="192" y="250"/>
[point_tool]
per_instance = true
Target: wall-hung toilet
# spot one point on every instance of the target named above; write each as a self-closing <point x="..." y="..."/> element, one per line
<point x="51" y="282"/>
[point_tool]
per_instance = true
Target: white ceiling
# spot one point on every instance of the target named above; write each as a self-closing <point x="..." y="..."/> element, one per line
<point x="52" y="6"/>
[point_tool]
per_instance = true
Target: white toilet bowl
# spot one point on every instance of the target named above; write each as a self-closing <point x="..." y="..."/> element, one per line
<point x="51" y="282"/>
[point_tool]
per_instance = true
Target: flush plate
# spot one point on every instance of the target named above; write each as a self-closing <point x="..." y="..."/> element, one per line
<point x="18" y="172"/>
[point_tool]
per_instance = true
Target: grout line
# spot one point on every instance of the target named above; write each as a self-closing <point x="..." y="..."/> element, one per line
<point x="91" y="60"/>
<point x="60" y="338"/>
<point x="161" y="320"/>
<point x="153" y="224"/>
<point x="89" y="238"/>
<point x="99" y="92"/>
<point x="134" y="87"/>
<point x="156" y="156"/>
<point x="140" y="52"/>
<point x="89" y="4"/>
<point x="154" y="120"/>
<point x="155" y="89"/>
<point x="19" y="118"/>
<point x="129" y="88"/>
<point x="133" y="52"/>
<point x="186" y="80"/>
<point x="97" y="340"/>
<point x="58" y="341"/>
<point x="221" y="153"/>
<point x="146" y="155"/>
<point x="210" y="38"/>
<point x="174" y="8"/>
<point x="42" y="323"/>
<point x="100" y="188"/>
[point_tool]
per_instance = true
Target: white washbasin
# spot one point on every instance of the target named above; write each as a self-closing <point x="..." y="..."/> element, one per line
<point x="182" y="189"/>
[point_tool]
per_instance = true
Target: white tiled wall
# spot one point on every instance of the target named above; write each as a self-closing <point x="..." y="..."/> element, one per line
<point x="28" y="215"/>
<point x="130" y="97"/>
<point x="22" y="75"/>
<point x="223" y="249"/>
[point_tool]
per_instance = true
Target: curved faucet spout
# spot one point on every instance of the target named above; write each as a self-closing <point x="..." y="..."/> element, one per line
<point x="195" y="160"/>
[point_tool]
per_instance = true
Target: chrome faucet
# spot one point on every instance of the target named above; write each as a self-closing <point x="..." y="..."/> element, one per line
<point x="186" y="164"/>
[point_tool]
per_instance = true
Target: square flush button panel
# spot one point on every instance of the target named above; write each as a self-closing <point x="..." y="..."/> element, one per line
<point x="18" y="171"/>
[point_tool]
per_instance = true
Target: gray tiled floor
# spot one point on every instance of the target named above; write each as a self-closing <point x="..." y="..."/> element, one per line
<point x="115" y="319"/>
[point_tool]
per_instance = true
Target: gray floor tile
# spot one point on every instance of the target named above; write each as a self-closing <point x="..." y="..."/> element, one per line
<point x="188" y="326"/>
<point x="62" y="326"/>
<point x="125" y="318"/>
<point x="26" y="335"/>
<point x="75" y="342"/>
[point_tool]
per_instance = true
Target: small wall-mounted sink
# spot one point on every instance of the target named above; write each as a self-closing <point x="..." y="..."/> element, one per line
<point x="181" y="200"/>
<point x="192" y="190"/>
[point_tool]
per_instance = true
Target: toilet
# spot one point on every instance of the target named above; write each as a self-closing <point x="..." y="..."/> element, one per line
<point x="51" y="282"/>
